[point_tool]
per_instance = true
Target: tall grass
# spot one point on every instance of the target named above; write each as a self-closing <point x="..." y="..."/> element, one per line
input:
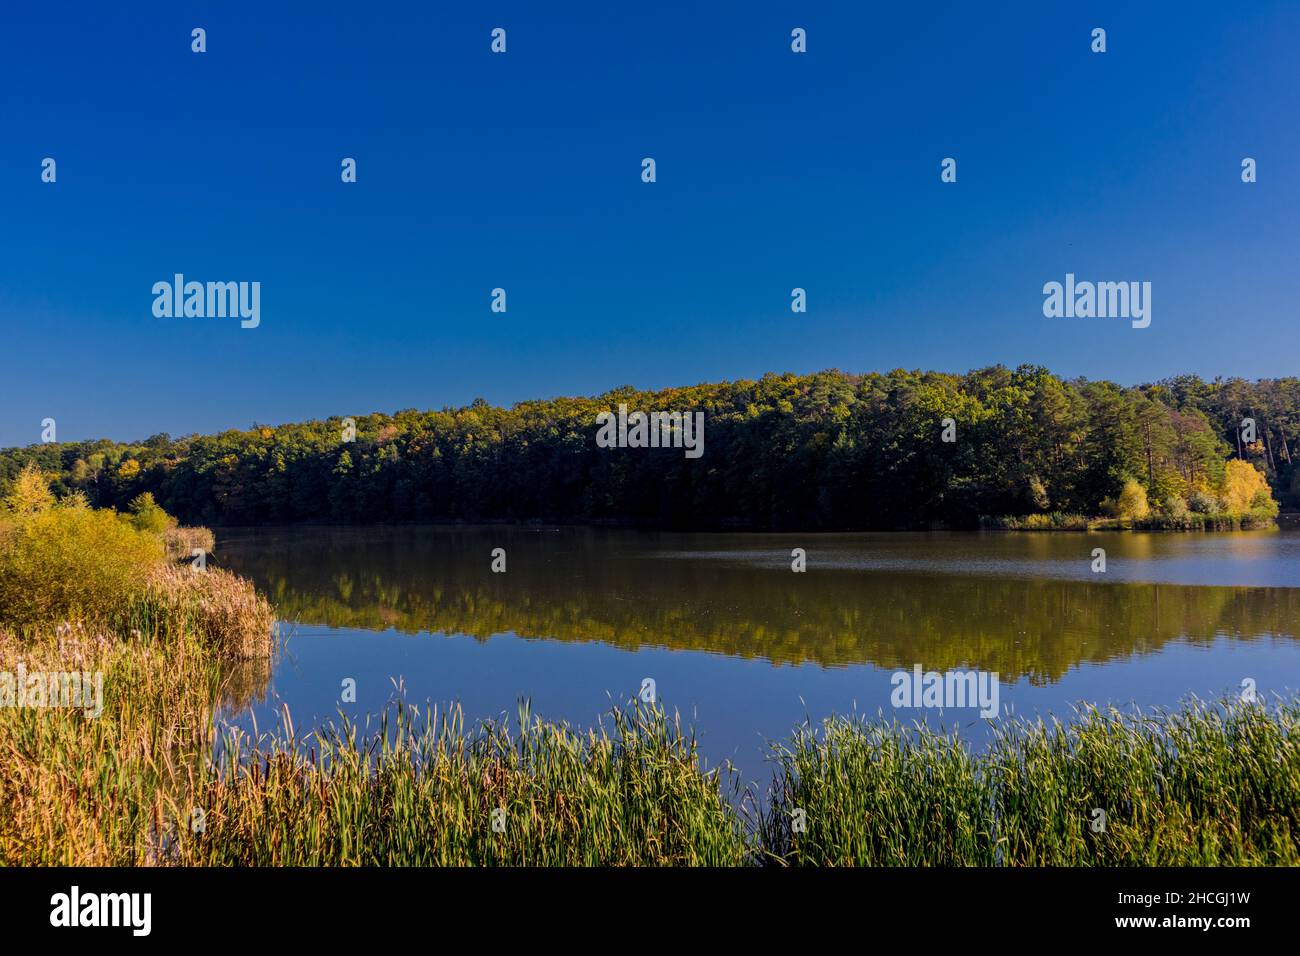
<point x="90" y="591"/>
<point x="421" y="790"/>
<point x="100" y="791"/>
<point x="1206" y="785"/>
<point x="1209" y="784"/>
<point x="222" y="610"/>
<point x="878" y="794"/>
<point x="183" y="542"/>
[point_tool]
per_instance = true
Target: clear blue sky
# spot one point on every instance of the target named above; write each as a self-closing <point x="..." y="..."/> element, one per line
<point x="522" y="170"/>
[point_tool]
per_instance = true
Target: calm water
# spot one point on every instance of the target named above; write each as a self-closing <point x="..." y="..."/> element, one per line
<point x="744" y="647"/>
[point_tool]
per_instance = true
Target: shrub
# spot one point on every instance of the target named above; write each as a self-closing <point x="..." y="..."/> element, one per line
<point x="1263" y="505"/>
<point x="1204" y="503"/>
<point x="148" y="515"/>
<point x="1132" y="501"/>
<point x="1054" y="521"/>
<point x="1176" y="507"/>
<point x="70" y="562"/>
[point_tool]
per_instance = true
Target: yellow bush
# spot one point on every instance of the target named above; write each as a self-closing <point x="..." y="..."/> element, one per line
<point x="1245" y="489"/>
<point x="1132" y="501"/>
<point x="70" y="562"/>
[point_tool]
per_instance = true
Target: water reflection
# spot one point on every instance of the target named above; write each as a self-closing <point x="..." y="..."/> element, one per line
<point x="1023" y="605"/>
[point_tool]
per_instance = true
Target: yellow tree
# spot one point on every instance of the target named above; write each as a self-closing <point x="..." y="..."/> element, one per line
<point x="1133" y="501"/>
<point x="30" y="493"/>
<point x="1244" y="487"/>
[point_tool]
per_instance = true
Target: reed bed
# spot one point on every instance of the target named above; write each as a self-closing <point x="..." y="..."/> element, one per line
<point x="89" y="593"/>
<point x="221" y="610"/>
<point x="181" y="543"/>
<point x="77" y="790"/>
<point x="421" y="790"/>
<point x="1206" y="785"/>
<point x="1209" y="784"/>
<point x="877" y="794"/>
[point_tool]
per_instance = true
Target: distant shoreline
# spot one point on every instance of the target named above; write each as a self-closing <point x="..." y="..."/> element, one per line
<point x="1159" y="522"/>
<point x="823" y="452"/>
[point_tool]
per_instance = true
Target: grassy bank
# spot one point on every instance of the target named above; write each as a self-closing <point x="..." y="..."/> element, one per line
<point x="92" y="592"/>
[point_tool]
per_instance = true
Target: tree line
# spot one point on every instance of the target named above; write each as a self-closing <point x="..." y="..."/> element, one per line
<point x="826" y="451"/>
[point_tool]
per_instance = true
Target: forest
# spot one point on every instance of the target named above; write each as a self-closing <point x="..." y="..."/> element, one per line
<point x="824" y="451"/>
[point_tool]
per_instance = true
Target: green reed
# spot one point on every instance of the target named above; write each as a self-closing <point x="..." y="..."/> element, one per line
<point x="1208" y="784"/>
<point x="420" y="789"/>
<point x="877" y="794"/>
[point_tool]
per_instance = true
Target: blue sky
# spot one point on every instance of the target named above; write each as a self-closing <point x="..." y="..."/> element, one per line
<point x="522" y="170"/>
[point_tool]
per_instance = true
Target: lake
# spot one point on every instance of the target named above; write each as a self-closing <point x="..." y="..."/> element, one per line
<point x="744" y="647"/>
